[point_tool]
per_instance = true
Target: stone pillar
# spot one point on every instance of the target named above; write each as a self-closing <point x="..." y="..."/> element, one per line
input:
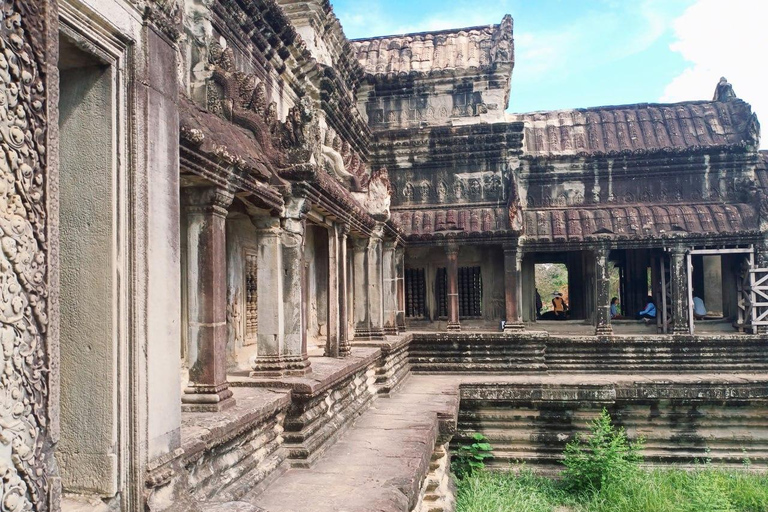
<point x="375" y="288"/>
<point x="269" y="299"/>
<point x="360" y="296"/>
<point x="400" y="276"/>
<point x="206" y="212"/>
<point x="333" y="304"/>
<point x="452" y="252"/>
<point x="390" y="287"/>
<point x="602" y="293"/>
<point x="679" y="283"/>
<point x="344" y="347"/>
<point x="512" y="292"/>
<point x="294" y="356"/>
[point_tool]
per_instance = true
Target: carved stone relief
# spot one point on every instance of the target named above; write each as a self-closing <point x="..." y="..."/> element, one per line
<point x="23" y="259"/>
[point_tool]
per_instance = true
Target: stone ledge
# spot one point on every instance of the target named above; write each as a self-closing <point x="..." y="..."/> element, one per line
<point x="326" y="373"/>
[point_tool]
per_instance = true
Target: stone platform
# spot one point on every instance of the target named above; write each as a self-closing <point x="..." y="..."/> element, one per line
<point x="380" y="464"/>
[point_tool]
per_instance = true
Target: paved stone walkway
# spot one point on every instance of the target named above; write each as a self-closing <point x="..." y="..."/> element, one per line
<point x="379" y="463"/>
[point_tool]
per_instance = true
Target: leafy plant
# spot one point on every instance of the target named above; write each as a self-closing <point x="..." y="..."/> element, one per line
<point x="470" y="458"/>
<point x="605" y="453"/>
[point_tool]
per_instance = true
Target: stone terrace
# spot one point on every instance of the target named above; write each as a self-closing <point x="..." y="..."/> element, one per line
<point x="373" y="431"/>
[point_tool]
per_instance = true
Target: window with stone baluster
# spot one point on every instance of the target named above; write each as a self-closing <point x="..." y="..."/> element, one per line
<point x="251" y="305"/>
<point x="415" y="293"/>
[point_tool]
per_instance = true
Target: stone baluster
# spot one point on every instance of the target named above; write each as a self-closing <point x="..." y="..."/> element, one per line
<point x="206" y="212"/>
<point x="602" y="293"/>
<point x="512" y="292"/>
<point x="679" y="284"/>
<point x="452" y="252"/>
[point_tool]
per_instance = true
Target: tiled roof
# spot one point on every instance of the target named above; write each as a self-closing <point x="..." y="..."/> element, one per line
<point x="571" y="224"/>
<point x="465" y="48"/>
<point x="638" y="128"/>
<point x="466" y="221"/>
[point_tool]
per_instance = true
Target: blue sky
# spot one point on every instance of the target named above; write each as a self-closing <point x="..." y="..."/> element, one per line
<point x="580" y="53"/>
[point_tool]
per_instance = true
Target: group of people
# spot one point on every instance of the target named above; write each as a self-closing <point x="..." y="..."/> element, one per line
<point x="648" y="313"/>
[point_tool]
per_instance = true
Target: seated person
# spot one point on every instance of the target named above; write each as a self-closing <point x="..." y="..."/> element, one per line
<point x="615" y="313"/>
<point x="649" y="313"/>
<point x="559" y="306"/>
<point x="699" y="310"/>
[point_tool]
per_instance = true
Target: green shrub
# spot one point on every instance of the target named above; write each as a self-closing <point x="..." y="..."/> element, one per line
<point x="470" y="458"/>
<point x="605" y="453"/>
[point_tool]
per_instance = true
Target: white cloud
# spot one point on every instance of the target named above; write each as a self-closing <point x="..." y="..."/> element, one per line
<point x="727" y="39"/>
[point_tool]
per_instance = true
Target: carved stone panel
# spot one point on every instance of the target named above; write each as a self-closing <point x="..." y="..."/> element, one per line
<point x="24" y="277"/>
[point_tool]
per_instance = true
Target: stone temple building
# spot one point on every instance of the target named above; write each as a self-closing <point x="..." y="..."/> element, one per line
<point x="228" y="232"/>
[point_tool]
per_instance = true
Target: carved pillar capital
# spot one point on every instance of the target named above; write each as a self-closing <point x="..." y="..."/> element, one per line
<point x="359" y="245"/>
<point x="213" y="200"/>
<point x="452" y="250"/>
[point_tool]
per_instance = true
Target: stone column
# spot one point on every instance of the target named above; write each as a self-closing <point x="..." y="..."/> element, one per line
<point x="390" y="287"/>
<point x="360" y="296"/>
<point x="375" y="288"/>
<point x="344" y="347"/>
<point x="602" y="293"/>
<point x="269" y="299"/>
<point x="206" y="212"/>
<point x="294" y="356"/>
<point x="400" y="275"/>
<point x="679" y="283"/>
<point x="512" y="292"/>
<point x="333" y="304"/>
<point x="452" y="252"/>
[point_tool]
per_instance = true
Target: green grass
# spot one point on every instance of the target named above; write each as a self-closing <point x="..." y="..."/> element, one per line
<point x="706" y="489"/>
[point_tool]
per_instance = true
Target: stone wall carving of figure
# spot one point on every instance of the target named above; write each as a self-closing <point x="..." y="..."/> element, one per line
<point x="235" y="317"/>
<point x="458" y="190"/>
<point x="425" y="191"/>
<point x="493" y="187"/>
<point x="475" y="188"/>
<point x="271" y="117"/>
<point x="258" y="103"/>
<point x="333" y="161"/>
<point x="442" y="192"/>
<point x="379" y="193"/>
<point x="408" y="192"/>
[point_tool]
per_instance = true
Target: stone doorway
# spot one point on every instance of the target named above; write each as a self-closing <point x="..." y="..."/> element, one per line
<point x="89" y="452"/>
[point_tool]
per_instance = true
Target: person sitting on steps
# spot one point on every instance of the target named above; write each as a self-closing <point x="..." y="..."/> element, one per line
<point x="649" y="313"/>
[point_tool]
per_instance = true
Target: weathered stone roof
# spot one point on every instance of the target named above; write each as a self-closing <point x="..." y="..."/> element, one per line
<point x="466" y="48"/>
<point x="638" y="221"/>
<point x="223" y="141"/>
<point x="428" y="223"/>
<point x="644" y="127"/>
